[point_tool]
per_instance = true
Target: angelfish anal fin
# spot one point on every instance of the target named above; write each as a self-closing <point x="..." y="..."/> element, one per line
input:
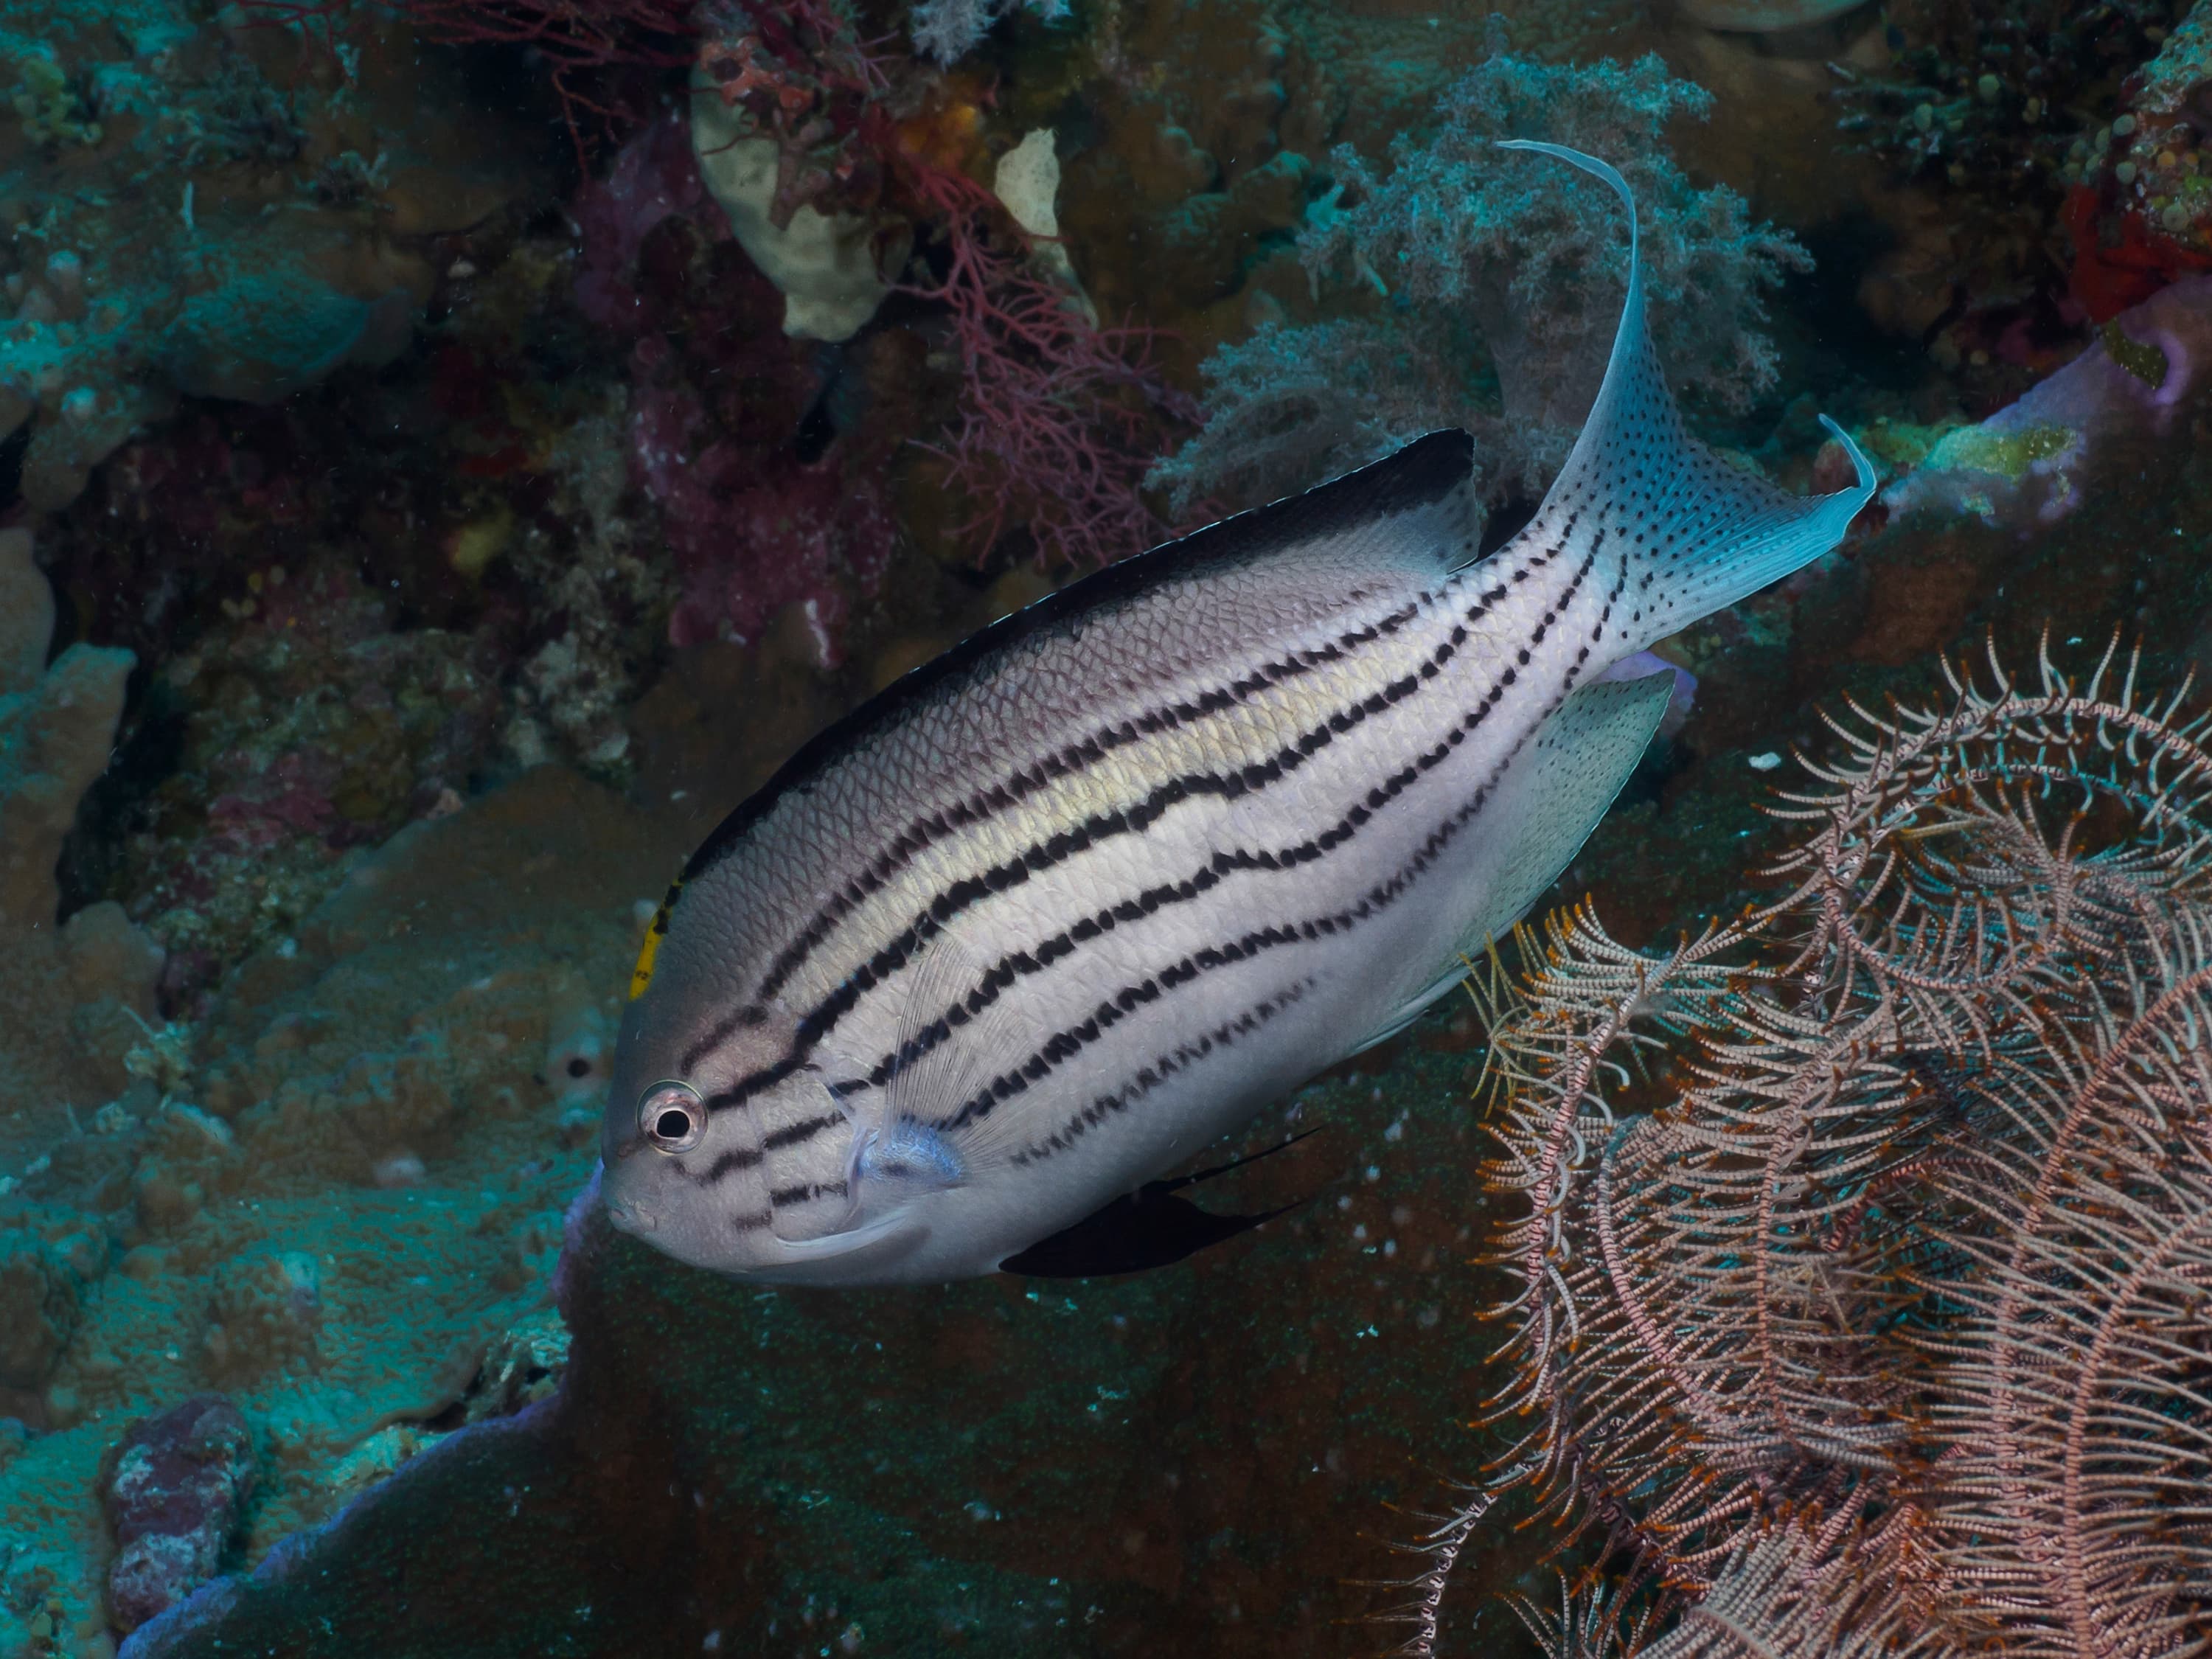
<point x="1583" y="757"/>
<point x="1149" y="1228"/>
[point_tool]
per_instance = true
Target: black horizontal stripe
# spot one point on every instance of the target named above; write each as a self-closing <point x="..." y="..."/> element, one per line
<point x="1424" y="473"/>
<point x="791" y="1134"/>
<point x="804" y="1192"/>
<point x="1065" y="1044"/>
<point x="908" y="944"/>
<point x="1017" y="965"/>
<point x="1070" y="761"/>
<point x="746" y="1157"/>
<point x="1161" y="1068"/>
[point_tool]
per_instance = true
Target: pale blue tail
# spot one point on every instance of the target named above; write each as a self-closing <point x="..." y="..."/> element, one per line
<point x="1695" y="533"/>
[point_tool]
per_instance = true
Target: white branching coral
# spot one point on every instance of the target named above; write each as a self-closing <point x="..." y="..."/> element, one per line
<point x="948" y="30"/>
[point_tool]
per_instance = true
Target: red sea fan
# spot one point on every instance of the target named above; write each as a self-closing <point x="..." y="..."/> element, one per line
<point x="581" y="40"/>
<point x="1060" y="419"/>
<point x="754" y="520"/>
<point x="753" y="527"/>
<point x="813" y="536"/>
<point x="572" y="34"/>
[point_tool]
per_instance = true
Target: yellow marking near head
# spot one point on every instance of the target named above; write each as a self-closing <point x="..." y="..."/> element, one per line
<point x="642" y="976"/>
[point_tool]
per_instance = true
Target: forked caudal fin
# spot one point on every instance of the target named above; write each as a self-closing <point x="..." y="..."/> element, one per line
<point x="1696" y="533"/>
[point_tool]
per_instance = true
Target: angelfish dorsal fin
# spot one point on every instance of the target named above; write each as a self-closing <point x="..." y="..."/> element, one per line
<point x="1415" y="511"/>
<point x="1696" y="533"/>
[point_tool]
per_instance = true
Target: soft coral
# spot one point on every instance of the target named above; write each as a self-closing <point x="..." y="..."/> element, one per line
<point x="1059" y="419"/>
<point x="756" y="517"/>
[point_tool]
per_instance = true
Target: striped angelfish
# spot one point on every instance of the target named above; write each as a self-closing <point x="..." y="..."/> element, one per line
<point x="1052" y="912"/>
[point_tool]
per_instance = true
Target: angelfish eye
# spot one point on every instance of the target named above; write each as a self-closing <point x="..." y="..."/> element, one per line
<point x="671" y="1116"/>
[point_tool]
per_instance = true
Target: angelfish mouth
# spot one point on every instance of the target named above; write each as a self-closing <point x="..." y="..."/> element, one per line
<point x="629" y="1218"/>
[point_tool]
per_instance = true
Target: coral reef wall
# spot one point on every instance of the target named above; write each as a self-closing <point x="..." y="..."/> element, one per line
<point x="344" y="1216"/>
<point x="207" y="209"/>
<point x="75" y="996"/>
<point x="421" y="521"/>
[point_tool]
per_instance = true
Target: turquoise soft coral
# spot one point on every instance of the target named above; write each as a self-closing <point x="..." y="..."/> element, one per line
<point x="1482" y="290"/>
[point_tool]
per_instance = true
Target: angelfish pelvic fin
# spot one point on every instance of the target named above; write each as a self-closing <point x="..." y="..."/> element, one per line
<point x="1149" y="1228"/>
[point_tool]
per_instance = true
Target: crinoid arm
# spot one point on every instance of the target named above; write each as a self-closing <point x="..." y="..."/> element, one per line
<point x="1860" y="1251"/>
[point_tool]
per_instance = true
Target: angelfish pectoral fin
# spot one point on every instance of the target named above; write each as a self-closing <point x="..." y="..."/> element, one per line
<point x="1148" y="1228"/>
<point x="906" y="1155"/>
<point x="893" y="1163"/>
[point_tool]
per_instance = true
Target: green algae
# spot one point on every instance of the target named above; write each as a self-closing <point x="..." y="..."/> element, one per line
<point x="1899" y="447"/>
<point x="2008" y="454"/>
<point x="2143" y="361"/>
<point x="52" y="110"/>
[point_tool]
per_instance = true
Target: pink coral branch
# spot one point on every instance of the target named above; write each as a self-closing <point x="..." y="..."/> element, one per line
<point x="1059" y="418"/>
<point x="579" y="39"/>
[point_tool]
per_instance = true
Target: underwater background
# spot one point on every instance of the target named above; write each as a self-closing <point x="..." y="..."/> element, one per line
<point x="457" y="449"/>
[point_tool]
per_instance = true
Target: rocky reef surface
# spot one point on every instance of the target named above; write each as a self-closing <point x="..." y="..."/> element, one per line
<point x="77" y="993"/>
<point x="432" y="503"/>
<point x="344" y="1215"/>
<point x="198" y="208"/>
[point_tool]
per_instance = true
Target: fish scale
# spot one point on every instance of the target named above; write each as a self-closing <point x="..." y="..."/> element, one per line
<point x="1055" y="911"/>
<point x="1218" y="742"/>
<point x="1185" y="836"/>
